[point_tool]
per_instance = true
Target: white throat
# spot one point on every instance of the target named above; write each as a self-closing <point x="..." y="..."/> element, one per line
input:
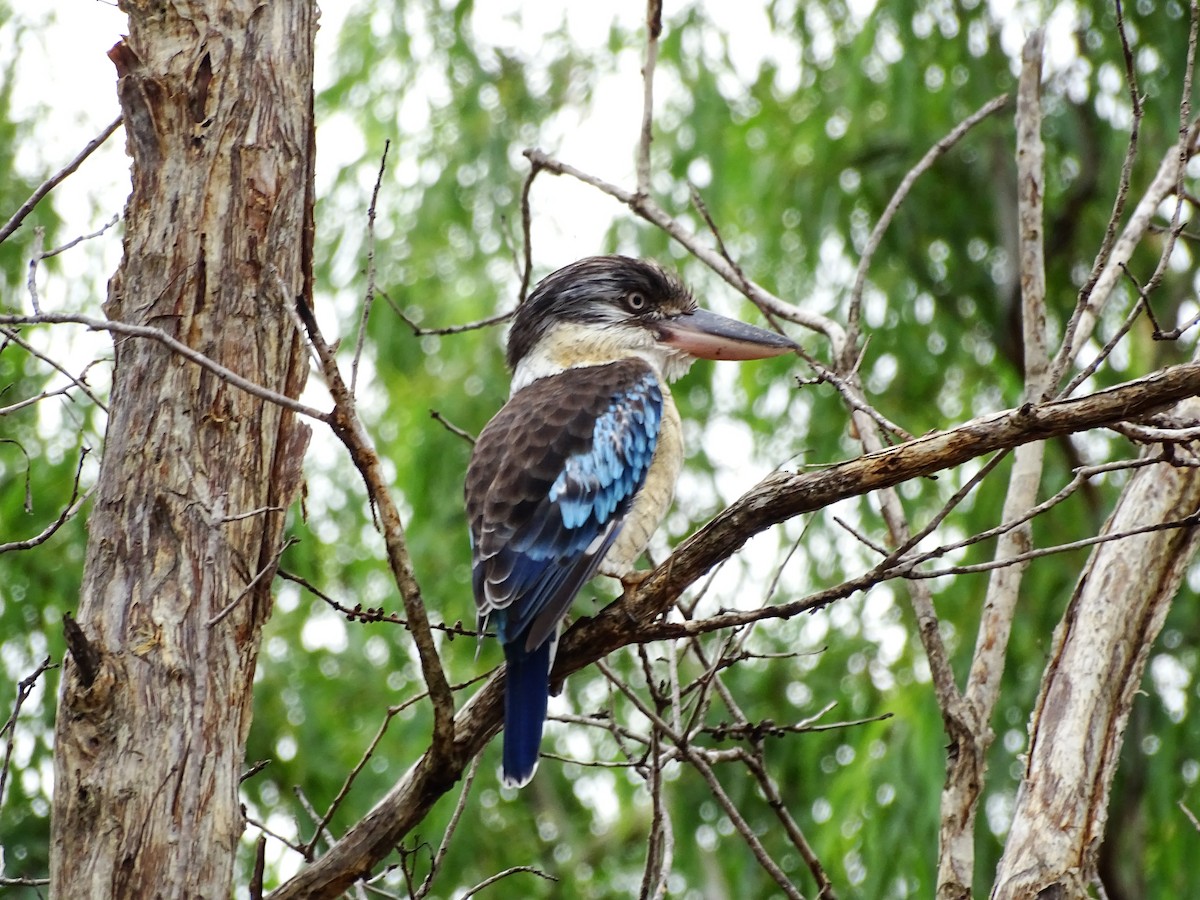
<point x="571" y="346"/>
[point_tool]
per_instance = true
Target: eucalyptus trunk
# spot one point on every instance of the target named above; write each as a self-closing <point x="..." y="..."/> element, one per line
<point x="196" y="474"/>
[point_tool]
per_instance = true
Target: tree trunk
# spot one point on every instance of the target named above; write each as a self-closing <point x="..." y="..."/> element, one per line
<point x="1095" y="669"/>
<point x="196" y="474"/>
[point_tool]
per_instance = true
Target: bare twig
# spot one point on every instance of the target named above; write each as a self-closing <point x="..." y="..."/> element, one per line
<point x="1111" y="344"/>
<point x="57" y="178"/>
<point x="265" y="571"/>
<point x="514" y="870"/>
<point x="1185" y="152"/>
<point x="76" y="381"/>
<point x="35" y="256"/>
<point x="177" y="346"/>
<point x="262" y="826"/>
<point x="527" y="231"/>
<point x="698" y="761"/>
<point x="260" y="867"/>
<point x="5" y="881"/>
<point x="651" y="212"/>
<point x="451" y="427"/>
<point x="439" y="856"/>
<point x="421" y="331"/>
<point x="356" y="613"/>
<point x="1191" y="816"/>
<point x="653" y="31"/>
<point x="349" y="429"/>
<point x="63" y="248"/>
<point x="1147" y="434"/>
<point x="369" y="299"/>
<point x="758" y="768"/>
<point x="868" y="251"/>
<point x="1064" y="356"/>
<point x="73" y="506"/>
<point x="1083" y="321"/>
<point x="24" y="688"/>
<point x="1039" y="552"/>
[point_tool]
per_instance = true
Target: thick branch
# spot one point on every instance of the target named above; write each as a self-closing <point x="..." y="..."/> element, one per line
<point x="1096" y="665"/>
<point x="967" y="761"/>
<point x="774" y="500"/>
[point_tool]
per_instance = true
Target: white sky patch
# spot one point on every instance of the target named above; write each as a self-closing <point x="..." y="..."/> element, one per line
<point x="324" y="630"/>
<point x="1171" y="682"/>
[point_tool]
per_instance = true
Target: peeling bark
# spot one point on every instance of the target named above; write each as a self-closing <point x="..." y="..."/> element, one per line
<point x="196" y="474"/>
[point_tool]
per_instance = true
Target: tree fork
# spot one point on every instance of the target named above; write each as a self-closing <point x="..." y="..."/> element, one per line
<point x="217" y="103"/>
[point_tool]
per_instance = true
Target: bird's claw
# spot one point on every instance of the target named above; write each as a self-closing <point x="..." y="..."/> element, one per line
<point x="631" y="581"/>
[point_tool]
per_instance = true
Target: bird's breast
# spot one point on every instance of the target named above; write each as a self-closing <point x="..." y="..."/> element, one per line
<point x="650" y="504"/>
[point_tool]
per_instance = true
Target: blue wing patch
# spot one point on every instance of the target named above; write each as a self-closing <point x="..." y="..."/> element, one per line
<point x="562" y="463"/>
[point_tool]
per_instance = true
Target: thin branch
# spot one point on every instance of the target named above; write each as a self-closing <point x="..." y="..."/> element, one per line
<point x="1185" y="151"/>
<point x="24" y="689"/>
<point x="868" y="252"/>
<point x="439" y="856"/>
<point x="268" y="569"/>
<point x="35" y="255"/>
<point x="1038" y="553"/>
<point x="369" y="299"/>
<point x="48" y="254"/>
<point x="1191" y="816"/>
<point x="1146" y="434"/>
<point x="57" y="178"/>
<point x="758" y="768"/>
<point x="356" y="613"/>
<point x="1111" y="344"/>
<point x="1083" y="321"/>
<point x="262" y="826"/>
<point x="653" y="31"/>
<point x="757" y="731"/>
<point x="653" y="213"/>
<point x="421" y="331"/>
<point x="75" y="504"/>
<point x="348" y="427"/>
<point x="527" y="230"/>
<point x="76" y="381"/>
<point x="689" y="753"/>
<point x="23" y="882"/>
<point x="514" y="870"/>
<point x="323" y="821"/>
<point x="1064" y="356"/>
<point x="852" y="394"/>
<point x="177" y="346"/>
<point x="451" y="427"/>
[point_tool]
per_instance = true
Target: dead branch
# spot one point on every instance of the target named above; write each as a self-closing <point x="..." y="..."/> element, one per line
<point x="348" y="427"/>
<point x="175" y="345"/>
<point x="632" y="620"/>
<point x="56" y="179"/>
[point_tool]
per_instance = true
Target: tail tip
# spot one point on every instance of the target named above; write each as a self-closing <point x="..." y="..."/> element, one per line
<point x="518" y="777"/>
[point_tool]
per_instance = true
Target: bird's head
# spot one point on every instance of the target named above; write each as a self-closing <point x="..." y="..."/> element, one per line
<point x="605" y="308"/>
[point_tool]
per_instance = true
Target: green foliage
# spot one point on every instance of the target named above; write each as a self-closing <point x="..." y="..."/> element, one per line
<point x="796" y="149"/>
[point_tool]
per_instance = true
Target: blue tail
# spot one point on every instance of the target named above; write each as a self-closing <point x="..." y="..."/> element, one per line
<point x="526" y="692"/>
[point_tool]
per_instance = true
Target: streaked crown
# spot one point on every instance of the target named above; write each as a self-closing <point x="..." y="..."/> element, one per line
<point x="599" y="290"/>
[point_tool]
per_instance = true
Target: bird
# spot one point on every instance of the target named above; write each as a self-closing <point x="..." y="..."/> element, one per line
<point x="576" y="471"/>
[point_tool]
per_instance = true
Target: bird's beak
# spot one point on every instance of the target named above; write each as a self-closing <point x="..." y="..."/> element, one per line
<point x="707" y="335"/>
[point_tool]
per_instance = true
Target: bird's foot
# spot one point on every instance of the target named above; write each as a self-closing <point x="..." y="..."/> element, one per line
<point x="631" y="581"/>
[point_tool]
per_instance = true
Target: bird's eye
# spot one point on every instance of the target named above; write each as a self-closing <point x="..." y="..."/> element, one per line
<point x="636" y="301"/>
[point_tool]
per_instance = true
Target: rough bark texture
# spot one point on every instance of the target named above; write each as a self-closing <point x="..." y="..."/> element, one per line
<point x="1096" y="665"/>
<point x="971" y="736"/>
<point x="196" y="474"/>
